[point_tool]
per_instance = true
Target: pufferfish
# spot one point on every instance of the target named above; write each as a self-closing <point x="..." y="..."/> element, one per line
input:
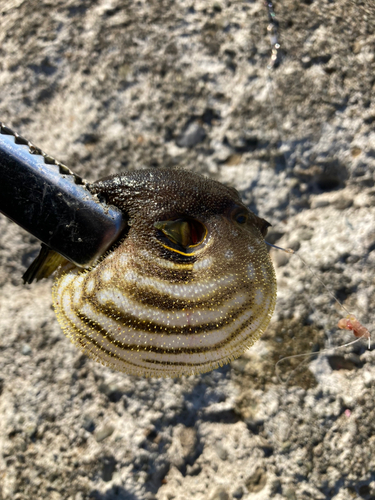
<point x="189" y="288"/>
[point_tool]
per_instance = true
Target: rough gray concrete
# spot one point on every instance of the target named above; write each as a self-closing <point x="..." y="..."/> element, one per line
<point x="110" y="85"/>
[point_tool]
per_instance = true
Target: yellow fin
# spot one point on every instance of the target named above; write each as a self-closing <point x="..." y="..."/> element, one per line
<point x="44" y="265"/>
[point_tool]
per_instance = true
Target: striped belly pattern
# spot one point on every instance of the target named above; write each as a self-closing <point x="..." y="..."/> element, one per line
<point x="141" y="314"/>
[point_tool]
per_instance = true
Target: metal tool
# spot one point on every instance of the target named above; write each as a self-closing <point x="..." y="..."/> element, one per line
<point x="44" y="197"/>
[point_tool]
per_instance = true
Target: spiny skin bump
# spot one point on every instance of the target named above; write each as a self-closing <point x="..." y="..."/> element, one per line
<point x="153" y="308"/>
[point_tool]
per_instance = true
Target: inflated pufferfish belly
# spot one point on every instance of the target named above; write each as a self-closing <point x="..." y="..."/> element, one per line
<point x="189" y="288"/>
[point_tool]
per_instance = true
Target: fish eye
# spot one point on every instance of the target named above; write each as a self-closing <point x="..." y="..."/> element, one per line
<point x="239" y="215"/>
<point x="241" y="218"/>
<point x="184" y="232"/>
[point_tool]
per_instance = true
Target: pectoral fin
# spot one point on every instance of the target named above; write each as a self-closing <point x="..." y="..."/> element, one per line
<point x="44" y="265"/>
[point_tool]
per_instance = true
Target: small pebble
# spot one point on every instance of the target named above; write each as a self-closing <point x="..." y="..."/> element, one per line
<point x="257" y="481"/>
<point x="26" y="350"/>
<point x="280" y="258"/>
<point x="104" y="432"/>
<point x="238" y="492"/>
<point x="317" y="203"/>
<point x="30" y="430"/>
<point x="343" y="203"/>
<point x="220" y="494"/>
<point x="193" y="470"/>
<point x="221" y="452"/>
<point x="193" y="134"/>
<point x="88" y="423"/>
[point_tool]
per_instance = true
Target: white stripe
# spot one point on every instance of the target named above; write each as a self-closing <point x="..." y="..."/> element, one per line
<point x="106" y="274"/>
<point x="90" y="285"/>
<point x="183" y="338"/>
<point x="203" y="264"/>
<point x="186" y="291"/>
<point x="173" y="318"/>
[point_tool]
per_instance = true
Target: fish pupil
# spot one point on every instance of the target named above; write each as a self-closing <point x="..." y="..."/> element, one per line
<point x="241" y="218"/>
